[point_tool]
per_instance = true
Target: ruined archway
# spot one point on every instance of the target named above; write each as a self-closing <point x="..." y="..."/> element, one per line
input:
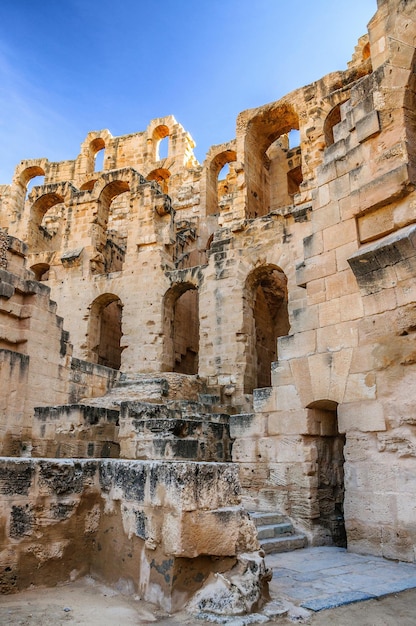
<point x="41" y="271"/>
<point x="181" y="329"/>
<point x="46" y="223"/>
<point x="161" y="176"/>
<point x="329" y="487"/>
<point x="105" y="331"/>
<point x="218" y="186"/>
<point x="265" y="319"/>
<point x="113" y="207"/>
<point x="273" y="169"/>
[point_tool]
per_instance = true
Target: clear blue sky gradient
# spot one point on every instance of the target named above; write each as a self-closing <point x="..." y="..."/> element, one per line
<point x="71" y="66"/>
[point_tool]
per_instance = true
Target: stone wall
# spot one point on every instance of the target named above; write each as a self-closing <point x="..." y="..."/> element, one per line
<point x="155" y="528"/>
<point x="297" y="269"/>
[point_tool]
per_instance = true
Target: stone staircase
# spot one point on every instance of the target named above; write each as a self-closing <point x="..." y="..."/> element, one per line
<point x="275" y="533"/>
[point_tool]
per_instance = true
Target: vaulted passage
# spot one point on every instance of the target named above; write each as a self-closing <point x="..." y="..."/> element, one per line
<point x="181" y="329"/>
<point x="104" y="334"/>
<point x="266" y="319"/>
<point x="330" y="474"/>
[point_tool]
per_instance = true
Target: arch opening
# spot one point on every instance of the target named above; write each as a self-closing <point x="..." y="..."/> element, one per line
<point x="330" y="489"/>
<point x="181" y="322"/>
<point x="105" y="331"/>
<point x="221" y="182"/>
<point x="97" y="154"/>
<point x="160" y="140"/>
<point x="265" y="320"/>
<point x="161" y="176"/>
<point x="332" y="119"/>
<point x="111" y="241"/>
<point x="41" y="271"/>
<point x="46" y="223"/>
<point x="273" y="162"/>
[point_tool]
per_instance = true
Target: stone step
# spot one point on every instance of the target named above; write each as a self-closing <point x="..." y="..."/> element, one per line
<point x="265" y="519"/>
<point x="286" y="543"/>
<point x="274" y="530"/>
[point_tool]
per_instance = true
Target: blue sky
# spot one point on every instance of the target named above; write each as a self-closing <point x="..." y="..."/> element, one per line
<point x="71" y="66"/>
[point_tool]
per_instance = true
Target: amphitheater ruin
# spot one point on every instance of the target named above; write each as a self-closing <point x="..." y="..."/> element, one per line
<point x="184" y="345"/>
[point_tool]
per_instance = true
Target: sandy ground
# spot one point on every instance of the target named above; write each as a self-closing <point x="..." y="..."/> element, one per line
<point x="87" y="603"/>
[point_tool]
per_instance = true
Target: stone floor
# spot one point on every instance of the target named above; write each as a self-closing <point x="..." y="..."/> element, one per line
<point x="327" y="577"/>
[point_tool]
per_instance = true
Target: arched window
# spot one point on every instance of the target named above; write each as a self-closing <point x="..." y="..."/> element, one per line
<point x="181" y="322"/>
<point x="97" y="152"/>
<point x="265" y="319"/>
<point x="29" y="177"/>
<point x="105" y="331"/>
<point x="221" y="181"/>
<point x="160" y="139"/>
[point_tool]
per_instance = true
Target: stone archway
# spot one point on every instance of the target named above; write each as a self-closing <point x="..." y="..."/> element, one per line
<point x="330" y="485"/>
<point x="265" y="319"/>
<point x="105" y="332"/>
<point x="181" y="329"/>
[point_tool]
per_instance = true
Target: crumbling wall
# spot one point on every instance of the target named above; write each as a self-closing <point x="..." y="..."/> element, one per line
<point x="156" y="528"/>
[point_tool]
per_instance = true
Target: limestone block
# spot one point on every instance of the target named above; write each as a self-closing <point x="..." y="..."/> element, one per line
<point x="316" y="267"/>
<point x="281" y="373"/>
<point x="340" y="187"/>
<point x="316" y="290"/>
<point x="343" y="253"/>
<point x="247" y="425"/>
<point x="286" y="398"/>
<point x="360" y="386"/>
<point x="382" y="189"/>
<point x="334" y="152"/>
<point x="339" y="234"/>
<point x="362" y="359"/>
<point x="370" y="507"/>
<point x="324" y="195"/>
<point x="302" y="379"/>
<point x="285" y="449"/>
<point x="263" y="399"/>
<point x="370" y="475"/>
<point x="215" y="532"/>
<point x="340" y="284"/>
<point x="294" y="346"/>
<point x="351" y="307"/>
<point x="326" y="216"/>
<point x="325" y="173"/>
<point x="254" y="475"/>
<point x="368" y="126"/>
<point x="329" y="312"/>
<point x="245" y="450"/>
<point x="337" y="337"/>
<point x="406" y="293"/>
<point x="292" y="422"/>
<point x="363" y="415"/>
<point x="305" y="318"/>
<point x="380" y="301"/>
<point x="400" y="441"/>
<point x="328" y="372"/>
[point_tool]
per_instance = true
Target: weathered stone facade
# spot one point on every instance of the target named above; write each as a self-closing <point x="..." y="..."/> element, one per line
<point x="270" y="315"/>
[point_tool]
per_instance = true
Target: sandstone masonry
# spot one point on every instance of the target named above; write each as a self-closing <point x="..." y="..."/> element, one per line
<point x="259" y="308"/>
